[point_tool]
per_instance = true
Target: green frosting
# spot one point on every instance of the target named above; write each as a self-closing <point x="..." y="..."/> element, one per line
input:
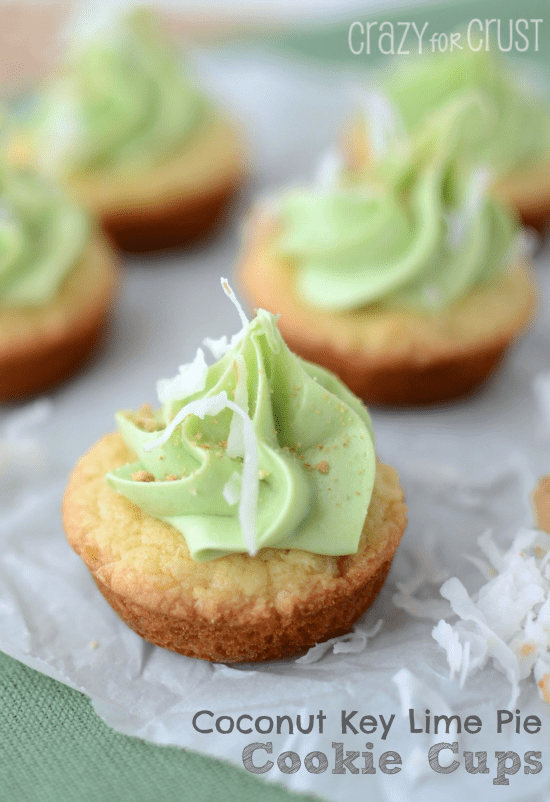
<point x="42" y="237"/>
<point x="123" y="103"/>
<point x="420" y="234"/>
<point x="518" y="131"/>
<point x="315" y="448"/>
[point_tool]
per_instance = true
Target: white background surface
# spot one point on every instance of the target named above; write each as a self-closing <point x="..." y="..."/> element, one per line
<point x="464" y="467"/>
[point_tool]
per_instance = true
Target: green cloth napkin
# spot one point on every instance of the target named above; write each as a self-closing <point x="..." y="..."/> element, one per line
<point x="54" y="748"/>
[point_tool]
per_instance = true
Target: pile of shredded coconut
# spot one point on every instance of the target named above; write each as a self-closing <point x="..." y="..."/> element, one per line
<point x="508" y="619"/>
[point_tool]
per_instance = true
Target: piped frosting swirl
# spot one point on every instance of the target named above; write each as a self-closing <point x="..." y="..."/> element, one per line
<point x="517" y="131"/>
<point x="420" y="232"/>
<point x="312" y="456"/>
<point x="122" y="103"/>
<point x="42" y="238"/>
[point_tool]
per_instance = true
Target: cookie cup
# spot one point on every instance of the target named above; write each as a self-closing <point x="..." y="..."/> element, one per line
<point x="171" y="204"/>
<point x="176" y="202"/>
<point x="43" y="345"/>
<point x="387" y="356"/>
<point x="234" y="609"/>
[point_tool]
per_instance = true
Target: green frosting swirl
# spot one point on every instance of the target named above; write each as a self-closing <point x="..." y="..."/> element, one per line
<point x="420" y="234"/>
<point x="315" y="449"/>
<point x="42" y="237"/>
<point x="123" y="103"/>
<point x="517" y="133"/>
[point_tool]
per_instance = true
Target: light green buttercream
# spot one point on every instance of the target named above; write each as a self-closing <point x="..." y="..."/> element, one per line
<point x="417" y="235"/>
<point x="123" y="102"/>
<point x="316" y="455"/>
<point x="518" y="131"/>
<point x="42" y="237"/>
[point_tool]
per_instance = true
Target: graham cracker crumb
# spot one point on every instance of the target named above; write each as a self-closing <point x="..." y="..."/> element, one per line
<point x="143" y="476"/>
<point x="323" y="466"/>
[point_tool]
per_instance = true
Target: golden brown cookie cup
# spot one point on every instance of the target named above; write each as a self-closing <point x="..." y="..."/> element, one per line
<point x="526" y="190"/>
<point x="234" y="609"/>
<point x="42" y="346"/>
<point x="173" y="204"/>
<point x="391" y="356"/>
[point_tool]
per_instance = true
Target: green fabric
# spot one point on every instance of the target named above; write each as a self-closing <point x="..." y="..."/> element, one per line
<point x="329" y="43"/>
<point x="53" y="748"/>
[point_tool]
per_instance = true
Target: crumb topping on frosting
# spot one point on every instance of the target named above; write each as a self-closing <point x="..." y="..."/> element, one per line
<point x="235" y="458"/>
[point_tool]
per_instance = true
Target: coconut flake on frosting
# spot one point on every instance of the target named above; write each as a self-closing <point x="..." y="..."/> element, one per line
<point x="221" y="346"/>
<point x="191" y="379"/>
<point x="476" y="191"/>
<point x="382" y="120"/>
<point x="232" y="488"/>
<point x="329" y="170"/>
<point x="248" y="503"/>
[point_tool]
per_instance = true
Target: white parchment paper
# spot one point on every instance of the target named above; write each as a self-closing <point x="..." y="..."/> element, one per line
<point x="465" y="467"/>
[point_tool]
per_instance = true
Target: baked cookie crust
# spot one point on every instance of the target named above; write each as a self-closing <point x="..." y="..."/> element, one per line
<point x="391" y="356"/>
<point x="174" y="203"/>
<point x="234" y="609"/>
<point x="41" y="346"/>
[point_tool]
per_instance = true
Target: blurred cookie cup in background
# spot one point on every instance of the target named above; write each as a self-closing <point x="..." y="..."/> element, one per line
<point x="410" y="283"/>
<point x="515" y="143"/>
<point x="134" y="140"/>
<point x="57" y="283"/>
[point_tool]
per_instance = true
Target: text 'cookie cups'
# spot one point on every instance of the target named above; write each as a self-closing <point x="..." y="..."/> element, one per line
<point x="409" y="285"/>
<point x="57" y="282"/>
<point x="135" y="142"/>
<point x="513" y="141"/>
<point x="239" y="530"/>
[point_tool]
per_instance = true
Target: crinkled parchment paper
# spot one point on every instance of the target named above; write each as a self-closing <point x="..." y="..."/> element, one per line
<point x="465" y="467"/>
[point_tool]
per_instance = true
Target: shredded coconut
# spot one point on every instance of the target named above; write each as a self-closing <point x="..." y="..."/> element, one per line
<point x="382" y="120"/>
<point x="191" y="379"/>
<point x="411" y="687"/>
<point x="524" y="246"/>
<point x="352" y="643"/>
<point x="422" y="572"/>
<point x="329" y="170"/>
<point x="248" y="503"/>
<point x="508" y="620"/>
<point x="476" y="192"/>
<point x="232" y="488"/>
<point x="221" y="346"/>
<point x="235" y="440"/>
<point x="232" y="297"/>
